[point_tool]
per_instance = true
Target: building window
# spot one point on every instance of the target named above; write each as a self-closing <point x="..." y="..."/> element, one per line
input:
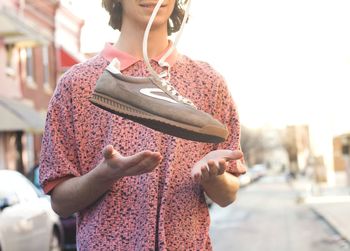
<point x="27" y="57"/>
<point x="10" y="66"/>
<point x="46" y="70"/>
<point x="29" y="64"/>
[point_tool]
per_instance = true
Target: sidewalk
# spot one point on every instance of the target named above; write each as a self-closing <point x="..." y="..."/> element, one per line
<point x="330" y="203"/>
<point x="335" y="214"/>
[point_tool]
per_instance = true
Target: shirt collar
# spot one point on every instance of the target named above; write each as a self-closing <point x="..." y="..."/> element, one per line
<point x="110" y="52"/>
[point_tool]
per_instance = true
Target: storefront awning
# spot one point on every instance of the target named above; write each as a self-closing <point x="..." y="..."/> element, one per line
<point x="67" y="59"/>
<point x="18" y="116"/>
<point x="14" y="30"/>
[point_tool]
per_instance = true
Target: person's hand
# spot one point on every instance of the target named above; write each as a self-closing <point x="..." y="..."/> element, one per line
<point x="118" y="166"/>
<point x="214" y="164"/>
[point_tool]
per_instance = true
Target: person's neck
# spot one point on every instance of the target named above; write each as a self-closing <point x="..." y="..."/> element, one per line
<point x="131" y="39"/>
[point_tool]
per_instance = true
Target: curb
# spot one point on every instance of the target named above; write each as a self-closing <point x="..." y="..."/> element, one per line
<point x="333" y="224"/>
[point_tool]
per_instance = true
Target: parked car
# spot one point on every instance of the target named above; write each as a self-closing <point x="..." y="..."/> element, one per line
<point x="68" y="224"/>
<point x="27" y="221"/>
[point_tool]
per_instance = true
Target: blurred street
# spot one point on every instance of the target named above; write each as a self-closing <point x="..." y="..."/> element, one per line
<point x="266" y="216"/>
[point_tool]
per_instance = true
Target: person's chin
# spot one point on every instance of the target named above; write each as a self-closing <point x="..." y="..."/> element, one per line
<point x="158" y="21"/>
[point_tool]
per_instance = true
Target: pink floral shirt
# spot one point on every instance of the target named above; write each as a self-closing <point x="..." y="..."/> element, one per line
<point x="161" y="210"/>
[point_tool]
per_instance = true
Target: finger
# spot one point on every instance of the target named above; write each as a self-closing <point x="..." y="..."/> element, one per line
<point x="241" y="168"/>
<point x="146" y="165"/>
<point x="141" y="169"/>
<point x="140" y="157"/>
<point x="213" y="168"/>
<point x="236" y="174"/>
<point x="232" y="155"/>
<point x="197" y="177"/>
<point x="109" y="151"/>
<point x="222" y="167"/>
<point x="205" y="173"/>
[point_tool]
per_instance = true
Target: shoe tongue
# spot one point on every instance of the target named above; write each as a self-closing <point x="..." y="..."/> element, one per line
<point x="114" y="66"/>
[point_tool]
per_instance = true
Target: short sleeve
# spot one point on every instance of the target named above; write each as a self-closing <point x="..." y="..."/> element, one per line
<point x="59" y="157"/>
<point x="225" y="110"/>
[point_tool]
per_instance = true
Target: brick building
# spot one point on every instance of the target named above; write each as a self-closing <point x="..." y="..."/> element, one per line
<point x="31" y="60"/>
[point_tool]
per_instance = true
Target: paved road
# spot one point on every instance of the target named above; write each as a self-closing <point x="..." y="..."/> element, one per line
<point x="266" y="217"/>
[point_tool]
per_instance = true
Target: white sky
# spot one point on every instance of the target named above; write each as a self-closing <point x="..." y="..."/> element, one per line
<point x="286" y="61"/>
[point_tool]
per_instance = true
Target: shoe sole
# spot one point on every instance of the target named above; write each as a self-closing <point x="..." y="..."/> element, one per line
<point x="208" y="134"/>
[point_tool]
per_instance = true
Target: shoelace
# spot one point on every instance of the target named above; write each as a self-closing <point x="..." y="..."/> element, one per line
<point x="164" y="77"/>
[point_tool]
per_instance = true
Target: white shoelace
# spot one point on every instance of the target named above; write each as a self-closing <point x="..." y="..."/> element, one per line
<point x="164" y="78"/>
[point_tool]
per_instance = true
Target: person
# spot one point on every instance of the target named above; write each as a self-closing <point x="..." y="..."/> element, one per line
<point x="135" y="188"/>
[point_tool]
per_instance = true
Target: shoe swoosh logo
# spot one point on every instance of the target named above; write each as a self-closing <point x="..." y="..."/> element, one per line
<point x="152" y="92"/>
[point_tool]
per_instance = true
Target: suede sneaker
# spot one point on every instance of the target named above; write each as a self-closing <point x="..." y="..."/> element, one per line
<point x="154" y="103"/>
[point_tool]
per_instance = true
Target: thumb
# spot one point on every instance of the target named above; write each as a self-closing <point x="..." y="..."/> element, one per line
<point x="234" y="155"/>
<point x="228" y="155"/>
<point x="109" y="151"/>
